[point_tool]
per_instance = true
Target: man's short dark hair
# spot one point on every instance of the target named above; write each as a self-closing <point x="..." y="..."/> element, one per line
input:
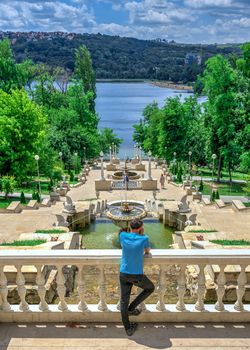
<point x="136" y="224"/>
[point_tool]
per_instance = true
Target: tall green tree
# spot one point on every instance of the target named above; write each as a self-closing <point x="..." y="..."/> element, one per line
<point x="23" y="127"/>
<point x="222" y="122"/>
<point x="84" y="71"/>
<point x="12" y="74"/>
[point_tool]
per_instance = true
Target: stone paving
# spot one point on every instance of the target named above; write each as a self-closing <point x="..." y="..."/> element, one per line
<point x="112" y="336"/>
<point x="12" y="225"/>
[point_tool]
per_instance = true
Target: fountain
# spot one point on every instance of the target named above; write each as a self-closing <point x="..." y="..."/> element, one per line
<point x="122" y="212"/>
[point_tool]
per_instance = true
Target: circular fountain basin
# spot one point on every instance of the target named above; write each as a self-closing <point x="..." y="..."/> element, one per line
<point x="119" y="175"/>
<point x="122" y="218"/>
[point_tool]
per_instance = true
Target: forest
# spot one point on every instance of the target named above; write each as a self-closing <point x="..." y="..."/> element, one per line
<point x="115" y="57"/>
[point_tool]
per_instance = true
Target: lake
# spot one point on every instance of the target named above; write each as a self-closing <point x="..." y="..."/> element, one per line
<point x="120" y="105"/>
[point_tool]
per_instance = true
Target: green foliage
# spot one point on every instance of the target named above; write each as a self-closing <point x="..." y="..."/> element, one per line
<point x="8" y="184"/>
<point x="25" y="243"/>
<point x="37" y="197"/>
<point x="34" y="195"/>
<point x="72" y="176"/>
<point x="22" y="133"/>
<point x="22" y="198"/>
<point x="230" y="242"/>
<point x="247" y="187"/>
<point x="202" y="231"/>
<point x="119" y="58"/>
<point x="201" y="186"/>
<point x="213" y="196"/>
<point x="50" y="231"/>
<point x="107" y="138"/>
<point x="12" y="75"/>
<point x="217" y="195"/>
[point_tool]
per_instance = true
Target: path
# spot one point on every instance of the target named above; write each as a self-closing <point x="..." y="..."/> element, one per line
<point x="212" y="336"/>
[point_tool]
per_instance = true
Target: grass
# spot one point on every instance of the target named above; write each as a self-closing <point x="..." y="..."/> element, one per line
<point x="224" y="188"/>
<point x="4" y="203"/>
<point x="247" y="204"/>
<point x="235" y="175"/>
<point x="202" y="231"/>
<point x="33" y="186"/>
<point x="24" y="243"/>
<point x="228" y="242"/>
<point x="51" y="231"/>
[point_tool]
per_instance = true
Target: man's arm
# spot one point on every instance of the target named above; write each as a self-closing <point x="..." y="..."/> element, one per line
<point x="147" y="247"/>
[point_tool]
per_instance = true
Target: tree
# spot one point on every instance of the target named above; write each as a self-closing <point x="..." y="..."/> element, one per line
<point x="12" y="75"/>
<point x="84" y="72"/>
<point x="222" y="124"/>
<point x="23" y="128"/>
<point x="22" y="198"/>
<point x="107" y="138"/>
<point x="8" y="184"/>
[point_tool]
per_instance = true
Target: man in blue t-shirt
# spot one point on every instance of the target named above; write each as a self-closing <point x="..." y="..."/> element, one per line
<point x="134" y="245"/>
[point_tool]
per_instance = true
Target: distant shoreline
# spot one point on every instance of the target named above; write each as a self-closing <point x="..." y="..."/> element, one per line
<point x="161" y="84"/>
<point x="170" y="85"/>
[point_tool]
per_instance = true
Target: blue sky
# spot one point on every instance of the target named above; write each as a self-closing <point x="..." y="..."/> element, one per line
<point x="187" y="21"/>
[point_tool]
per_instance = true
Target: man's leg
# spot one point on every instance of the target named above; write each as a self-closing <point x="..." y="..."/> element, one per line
<point x="148" y="289"/>
<point x="126" y="287"/>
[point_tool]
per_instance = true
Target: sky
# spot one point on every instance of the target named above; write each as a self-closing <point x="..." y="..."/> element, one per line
<point x="186" y="21"/>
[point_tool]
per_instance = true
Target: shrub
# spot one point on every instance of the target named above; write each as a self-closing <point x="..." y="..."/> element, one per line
<point x="217" y="195"/>
<point x="8" y="184"/>
<point x="33" y="195"/>
<point x="201" y="186"/>
<point x="22" y="198"/>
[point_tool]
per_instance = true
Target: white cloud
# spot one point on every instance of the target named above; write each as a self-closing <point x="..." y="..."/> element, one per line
<point x="208" y="3"/>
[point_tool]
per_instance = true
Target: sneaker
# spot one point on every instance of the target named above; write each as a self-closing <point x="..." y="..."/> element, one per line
<point x="131" y="330"/>
<point x="135" y="312"/>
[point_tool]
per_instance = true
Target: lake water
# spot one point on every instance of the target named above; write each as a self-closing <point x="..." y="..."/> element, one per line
<point x="120" y="105"/>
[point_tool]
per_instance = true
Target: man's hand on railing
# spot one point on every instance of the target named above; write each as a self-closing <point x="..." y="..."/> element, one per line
<point x="147" y="255"/>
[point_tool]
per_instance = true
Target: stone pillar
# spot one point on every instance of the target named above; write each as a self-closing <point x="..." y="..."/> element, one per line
<point x="149" y="167"/>
<point x="102" y="170"/>
<point x="110" y="154"/>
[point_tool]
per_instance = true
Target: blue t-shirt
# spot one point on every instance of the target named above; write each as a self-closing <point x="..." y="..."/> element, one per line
<point x="133" y="246"/>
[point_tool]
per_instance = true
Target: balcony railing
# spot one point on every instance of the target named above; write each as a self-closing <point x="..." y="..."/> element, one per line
<point x="103" y="312"/>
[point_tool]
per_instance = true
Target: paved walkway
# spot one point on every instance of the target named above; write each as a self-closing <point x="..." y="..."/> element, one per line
<point x="112" y="336"/>
<point x="12" y="225"/>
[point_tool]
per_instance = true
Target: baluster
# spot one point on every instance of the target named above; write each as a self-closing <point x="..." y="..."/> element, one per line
<point x="20" y="281"/>
<point x="220" y="289"/>
<point x="181" y="289"/>
<point x="41" y="290"/>
<point x="81" y="289"/>
<point x="240" y="290"/>
<point x="61" y="289"/>
<point x="118" y="305"/>
<point x="199" y="306"/>
<point x="4" y="290"/>
<point x="102" y="306"/>
<point x="161" y="289"/>
<point x="142" y="305"/>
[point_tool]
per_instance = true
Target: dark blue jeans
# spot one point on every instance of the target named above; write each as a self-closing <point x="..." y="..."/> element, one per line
<point x="127" y="282"/>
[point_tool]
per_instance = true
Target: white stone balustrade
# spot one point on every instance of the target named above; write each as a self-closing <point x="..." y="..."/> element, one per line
<point x="103" y="312"/>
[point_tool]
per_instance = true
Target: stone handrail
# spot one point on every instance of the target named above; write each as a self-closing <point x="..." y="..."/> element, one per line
<point x="101" y="311"/>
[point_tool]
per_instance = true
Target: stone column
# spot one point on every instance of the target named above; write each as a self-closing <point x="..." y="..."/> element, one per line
<point x="102" y="169"/>
<point x="149" y="165"/>
<point x="110" y="154"/>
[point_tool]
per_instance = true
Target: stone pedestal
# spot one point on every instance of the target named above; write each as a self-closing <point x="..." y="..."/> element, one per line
<point x="140" y="167"/>
<point x="149" y="185"/>
<point x="54" y="197"/>
<point x="102" y="185"/>
<point x="115" y="161"/>
<point x="197" y="196"/>
<point x="62" y="191"/>
<point x="135" y="161"/>
<point x="111" y="167"/>
<point x="190" y="190"/>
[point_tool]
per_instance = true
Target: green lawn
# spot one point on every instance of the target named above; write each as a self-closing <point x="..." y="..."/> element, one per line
<point x="228" y="242"/>
<point x="51" y="231"/>
<point x="33" y="186"/>
<point x="223" y="188"/>
<point x="206" y="172"/>
<point x="25" y="243"/>
<point x="202" y="231"/>
<point x="247" y="204"/>
<point x="4" y="203"/>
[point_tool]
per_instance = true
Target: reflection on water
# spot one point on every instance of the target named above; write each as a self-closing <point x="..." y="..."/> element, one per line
<point x="103" y="234"/>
